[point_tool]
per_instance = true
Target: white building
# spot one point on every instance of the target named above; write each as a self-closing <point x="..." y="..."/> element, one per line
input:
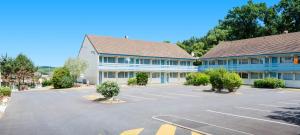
<point x="117" y="59"/>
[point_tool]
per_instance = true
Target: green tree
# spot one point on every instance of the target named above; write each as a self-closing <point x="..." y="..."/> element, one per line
<point x="7" y="69"/>
<point x="24" y="68"/>
<point x="290" y="15"/>
<point x="76" y="67"/>
<point x="62" y="78"/>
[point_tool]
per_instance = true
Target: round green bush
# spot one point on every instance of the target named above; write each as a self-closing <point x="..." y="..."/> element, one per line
<point x="132" y="81"/>
<point x="269" y="83"/>
<point x="232" y="81"/>
<point x="197" y="79"/>
<point x="5" y="91"/>
<point x="46" y="83"/>
<point x="141" y="78"/>
<point x="108" y="89"/>
<point x="217" y="78"/>
<point x="62" y="78"/>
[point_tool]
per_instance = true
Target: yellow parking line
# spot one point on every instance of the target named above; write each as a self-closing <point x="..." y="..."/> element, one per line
<point x="133" y="131"/>
<point x="166" y="129"/>
<point x="194" y="133"/>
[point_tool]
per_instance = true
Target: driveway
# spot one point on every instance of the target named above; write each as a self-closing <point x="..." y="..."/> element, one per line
<point x="160" y="110"/>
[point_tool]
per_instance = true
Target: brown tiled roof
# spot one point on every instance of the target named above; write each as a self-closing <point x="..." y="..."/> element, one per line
<point x="110" y="45"/>
<point x="275" y="44"/>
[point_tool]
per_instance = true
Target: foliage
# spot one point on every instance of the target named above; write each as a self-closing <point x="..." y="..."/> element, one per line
<point x="5" y="91"/>
<point x="232" y="81"/>
<point x="217" y="78"/>
<point x="269" y="83"/>
<point x="7" y="69"/>
<point x="45" y="70"/>
<point x="46" y="83"/>
<point x="76" y="67"/>
<point x="62" y="78"/>
<point x="141" y="78"/>
<point x="132" y="81"/>
<point x="197" y="79"/>
<point x="108" y="89"/>
<point x="24" y="69"/>
<point x="247" y="21"/>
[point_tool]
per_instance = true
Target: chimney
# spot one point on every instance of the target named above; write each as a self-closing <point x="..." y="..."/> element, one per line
<point x="126" y="37"/>
<point x="285" y="32"/>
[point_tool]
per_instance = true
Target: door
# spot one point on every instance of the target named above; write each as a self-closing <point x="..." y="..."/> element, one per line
<point x="100" y="77"/>
<point x="162" y="78"/>
<point x="168" y="74"/>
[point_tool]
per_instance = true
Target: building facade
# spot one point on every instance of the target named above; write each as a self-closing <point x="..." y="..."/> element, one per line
<point x="270" y="56"/>
<point x="118" y="59"/>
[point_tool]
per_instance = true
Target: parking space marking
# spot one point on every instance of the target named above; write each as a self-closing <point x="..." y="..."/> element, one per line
<point x="269" y="105"/>
<point x="254" y="109"/>
<point x="247" y="117"/>
<point x="186" y="95"/>
<point x="158" y="95"/>
<point x="194" y="133"/>
<point x="166" y="129"/>
<point x="133" y="131"/>
<point x="288" y="103"/>
<point x="145" y="98"/>
<point x="195" y="130"/>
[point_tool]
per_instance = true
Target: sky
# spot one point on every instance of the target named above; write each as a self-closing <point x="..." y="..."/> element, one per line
<point x="50" y="31"/>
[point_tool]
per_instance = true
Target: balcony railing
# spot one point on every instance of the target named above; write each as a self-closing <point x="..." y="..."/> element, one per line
<point x="146" y="67"/>
<point x="255" y="67"/>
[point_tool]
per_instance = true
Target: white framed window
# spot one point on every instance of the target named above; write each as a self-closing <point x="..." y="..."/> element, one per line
<point x="156" y="75"/>
<point x="256" y="61"/>
<point x="244" y="75"/>
<point x="155" y="62"/>
<point x="173" y="62"/>
<point x="183" y="75"/>
<point x="123" y="75"/>
<point x="109" y="60"/>
<point x="243" y="61"/>
<point x="173" y="75"/>
<point x="109" y="75"/>
<point x="183" y="63"/>
<point x="287" y="59"/>
<point x="287" y="76"/>
<point x="297" y="76"/>
<point x="256" y="75"/>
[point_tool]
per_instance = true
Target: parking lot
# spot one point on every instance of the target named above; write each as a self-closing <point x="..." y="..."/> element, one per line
<point x="160" y="110"/>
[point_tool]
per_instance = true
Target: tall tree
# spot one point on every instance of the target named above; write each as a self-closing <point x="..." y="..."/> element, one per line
<point x="290" y="15"/>
<point x="7" y="65"/>
<point x="76" y="67"/>
<point x="24" y="69"/>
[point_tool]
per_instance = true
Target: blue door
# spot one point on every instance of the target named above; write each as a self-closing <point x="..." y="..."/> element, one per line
<point x="162" y="78"/>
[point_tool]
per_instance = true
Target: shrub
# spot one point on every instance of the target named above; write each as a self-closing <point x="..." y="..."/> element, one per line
<point x="232" y="81"/>
<point x="217" y="78"/>
<point x="5" y="91"/>
<point x="197" y="79"/>
<point x="141" y="78"/>
<point x="108" y="89"/>
<point x="269" y="83"/>
<point x="62" y="78"/>
<point x="132" y="81"/>
<point x="46" y="83"/>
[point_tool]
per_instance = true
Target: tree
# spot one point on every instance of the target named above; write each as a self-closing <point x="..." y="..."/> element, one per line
<point x="62" y="78"/>
<point x="24" y="68"/>
<point x="290" y="15"/>
<point x="7" y="65"/>
<point x="167" y="41"/>
<point x="76" y="67"/>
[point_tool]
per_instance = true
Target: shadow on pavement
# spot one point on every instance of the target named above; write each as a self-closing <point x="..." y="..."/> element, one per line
<point x="289" y="114"/>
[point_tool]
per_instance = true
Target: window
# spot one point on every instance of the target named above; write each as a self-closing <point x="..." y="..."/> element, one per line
<point x="145" y="61"/>
<point x="212" y="62"/>
<point x="183" y="63"/>
<point x="123" y="75"/>
<point x="183" y="75"/>
<point x="287" y="76"/>
<point x="173" y="62"/>
<point x="109" y="60"/>
<point x="205" y="62"/>
<point x="286" y="59"/>
<point x="100" y="59"/>
<point x="131" y="61"/>
<point x="121" y="60"/>
<point x="109" y="75"/>
<point x="274" y="59"/>
<point x="297" y="76"/>
<point x="267" y="60"/>
<point x="155" y="62"/>
<point x="188" y="63"/>
<point x="256" y="75"/>
<point x="173" y="75"/>
<point x="243" y="61"/>
<point x="155" y="75"/>
<point x="137" y="61"/>
<point x="244" y="75"/>
<point x="221" y="62"/>
<point x="256" y="61"/>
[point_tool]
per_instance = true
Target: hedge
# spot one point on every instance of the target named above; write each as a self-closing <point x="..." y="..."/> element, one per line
<point x="197" y="79"/>
<point x="5" y="91"/>
<point x="269" y="83"/>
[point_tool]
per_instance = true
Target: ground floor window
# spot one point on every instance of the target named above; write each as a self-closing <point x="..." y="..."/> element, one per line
<point x="244" y="75"/>
<point x="109" y="75"/>
<point x="173" y="75"/>
<point x="287" y="76"/>
<point x="256" y="75"/>
<point x="183" y="75"/>
<point x="123" y="75"/>
<point x="155" y="75"/>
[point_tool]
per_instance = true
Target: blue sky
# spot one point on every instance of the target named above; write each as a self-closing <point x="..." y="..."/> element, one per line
<point x="50" y="31"/>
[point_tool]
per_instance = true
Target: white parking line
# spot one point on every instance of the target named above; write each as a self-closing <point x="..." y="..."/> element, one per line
<point x="288" y="103"/>
<point x="146" y="98"/>
<point x="186" y="95"/>
<point x="254" y="109"/>
<point x="269" y="105"/>
<point x="238" y="131"/>
<point x="247" y="117"/>
<point x="157" y="95"/>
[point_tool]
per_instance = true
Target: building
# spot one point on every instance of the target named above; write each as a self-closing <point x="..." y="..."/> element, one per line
<point x="117" y="59"/>
<point x="270" y="56"/>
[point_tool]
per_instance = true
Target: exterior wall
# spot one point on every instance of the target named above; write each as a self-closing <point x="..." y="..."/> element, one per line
<point x="89" y="54"/>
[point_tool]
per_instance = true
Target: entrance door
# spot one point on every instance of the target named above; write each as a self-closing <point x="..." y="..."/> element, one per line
<point x="168" y="74"/>
<point x="100" y="77"/>
<point x="162" y="78"/>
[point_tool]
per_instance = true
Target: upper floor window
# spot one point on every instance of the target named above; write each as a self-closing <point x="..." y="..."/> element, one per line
<point x="222" y="62"/>
<point x="256" y="61"/>
<point x="109" y="60"/>
<point x="156" y="62"/>
<point x="144" y="61"/>
<point x="212" y="62"/>
<point x="287" y="59"/>
<point x="183" y="63"/>
<point x="121" y="60"/>
<point x="243" y="61"/>
<point x="188" y="63"/>
<point x="173" y="62"/>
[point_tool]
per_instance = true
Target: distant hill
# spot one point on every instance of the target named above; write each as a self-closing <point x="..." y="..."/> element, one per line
<point x="45" y="70"/>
